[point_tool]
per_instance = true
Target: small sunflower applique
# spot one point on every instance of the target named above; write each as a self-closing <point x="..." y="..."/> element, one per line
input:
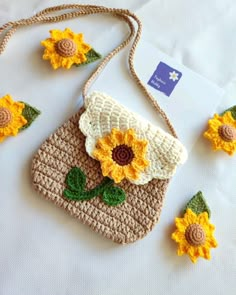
<point x="15" y="116"/>
<point x="66" y="48"/>
<point x="194" y="233"/>
<point x="222" y="131"/>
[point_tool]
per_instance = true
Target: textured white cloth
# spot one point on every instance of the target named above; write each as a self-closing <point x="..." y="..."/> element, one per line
<point x="45" y="251"/>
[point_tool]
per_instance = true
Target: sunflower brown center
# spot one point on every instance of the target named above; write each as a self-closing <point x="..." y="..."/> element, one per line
<point x="66" y="47"/>
<point x="122" y="155"/>
<point x="195" y="235"/>
<point x="227" y="132"/>
<point x="5" y="117"/>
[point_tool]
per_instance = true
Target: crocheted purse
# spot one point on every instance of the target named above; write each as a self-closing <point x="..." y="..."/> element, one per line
<point x="107" y="166"/>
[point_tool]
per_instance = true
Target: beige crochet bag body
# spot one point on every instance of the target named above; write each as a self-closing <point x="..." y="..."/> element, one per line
<point x="107" y="166"/>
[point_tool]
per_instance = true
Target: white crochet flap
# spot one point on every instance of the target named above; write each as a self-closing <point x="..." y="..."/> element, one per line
<point x="102" y="114"/>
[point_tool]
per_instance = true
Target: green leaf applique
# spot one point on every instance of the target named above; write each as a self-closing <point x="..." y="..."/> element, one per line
<point x="113" y="196"/>
<point x="76" y="180"/>
<point x="92" y="56"/>
<point x="30" y="113"/>
<point x="232" y="110"/>
<point x="198" y="204"/>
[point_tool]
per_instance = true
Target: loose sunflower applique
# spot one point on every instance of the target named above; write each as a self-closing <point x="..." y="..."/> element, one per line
<point x="222" y="131"/>
<point x="194" y="232"/>
<point x="15" y="116"/>
<point x="66" y="48"/>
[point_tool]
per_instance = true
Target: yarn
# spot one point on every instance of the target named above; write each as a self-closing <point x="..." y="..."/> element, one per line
<point x="66" y="47"/>
<point x="5" y="117"/>
<point x="195" y="235"/>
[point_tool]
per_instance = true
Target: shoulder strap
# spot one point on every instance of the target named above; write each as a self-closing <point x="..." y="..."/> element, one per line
<point x="70" y="11"/>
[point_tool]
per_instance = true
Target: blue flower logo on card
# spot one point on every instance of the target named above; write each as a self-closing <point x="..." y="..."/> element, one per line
<point x="165" y="78"/>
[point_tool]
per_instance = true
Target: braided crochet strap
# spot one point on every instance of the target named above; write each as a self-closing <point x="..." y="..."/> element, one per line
<point x="76" y="10"/>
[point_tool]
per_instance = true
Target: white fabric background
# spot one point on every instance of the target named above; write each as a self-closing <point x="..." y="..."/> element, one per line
<point x="45" y="251"/>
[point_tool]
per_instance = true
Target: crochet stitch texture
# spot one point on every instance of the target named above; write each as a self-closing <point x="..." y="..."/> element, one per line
<point x="103" y="113"/>
<point x="125" y="223"/>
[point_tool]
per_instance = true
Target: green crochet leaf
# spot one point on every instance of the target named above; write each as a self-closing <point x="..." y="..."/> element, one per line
<point x="73" y="196"/>
<point x="30" y="113"/>
<point x="198" y="204"/>
<point x="232" y="110"/>
<point x="113" y="196"/>
<point x="76" y="180"/>
<point x="92" y="56"/>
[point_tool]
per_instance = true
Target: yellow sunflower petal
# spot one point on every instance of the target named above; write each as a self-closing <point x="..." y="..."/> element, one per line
<point x="182" y="249"/>
<point x="49" y="44"/>
<point x="2" y="138"/>
<point x="79" y="38"/>
<point x="18" y="122"/>
<point x="140" y="148"/>
<point x="117" y="137"/>
<point x="230" y="148"/>
<point x="105" y="143"/>
<point x="107" y="166"/>
<point x="17" y="107"/>
<point x="55" y="60"/>
<point x="130" y="172"/>
<point x="129" y="137"/>
<point x="102" y="154"/>
<point x="68" y="33"/>
<point x="6" y="131"/>
<point x="79" y="58"/>
<point x="216" y="121"/>
<point x="211" y="242"/>
<point x="81" y="45"/>
<point x="66" y="62"/>
<point x="85" y="47"/>
<point x="205" y="253"/>
<point x="56" y="35"/>
<point x="190" y="216"/>
<point x="178" y="236"/>
<point x="47" y="56"/>
<point x="203" y="218"/>
<point x="193" y="253"/>
<point x="117" y="174"/>
<point x="181" y="224"/>
<point x="6" y="101"/>
<point x="140" y="164"/>
<point x="228" y="119"/>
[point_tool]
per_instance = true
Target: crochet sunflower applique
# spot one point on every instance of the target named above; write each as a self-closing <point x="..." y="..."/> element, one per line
<point x="15" y="116"/>
<point x="66" y="48"/>
<point x="122" y="155"/>
<point x="194" y="232"/>
<point x="222" y="131"/>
